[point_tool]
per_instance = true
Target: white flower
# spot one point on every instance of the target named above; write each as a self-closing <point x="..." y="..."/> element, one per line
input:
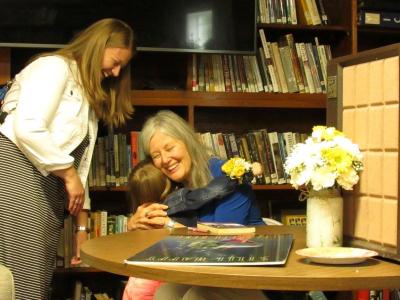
<point x="324" y="160"/>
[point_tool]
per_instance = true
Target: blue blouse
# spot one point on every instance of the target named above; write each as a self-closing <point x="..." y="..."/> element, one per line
<point x="239" y="207"/>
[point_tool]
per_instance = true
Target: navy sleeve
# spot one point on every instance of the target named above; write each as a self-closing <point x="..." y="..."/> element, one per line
<point x="185" y="199"/>
<point x="238" y="207"/>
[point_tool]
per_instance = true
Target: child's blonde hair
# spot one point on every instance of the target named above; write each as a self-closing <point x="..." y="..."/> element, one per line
<point x="147" y="183"/>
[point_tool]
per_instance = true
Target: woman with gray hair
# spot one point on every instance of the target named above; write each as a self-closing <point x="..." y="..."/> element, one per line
<point x="174" y="148"/>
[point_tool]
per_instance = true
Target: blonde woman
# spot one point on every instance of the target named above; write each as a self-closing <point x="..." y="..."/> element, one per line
<point x="47" y="142"/>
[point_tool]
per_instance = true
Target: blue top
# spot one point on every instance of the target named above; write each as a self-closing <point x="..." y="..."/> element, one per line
<point x="239" y="207"/>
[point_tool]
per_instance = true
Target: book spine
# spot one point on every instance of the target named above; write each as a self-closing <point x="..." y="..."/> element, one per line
<point x="257" y="75"/>
<point x="324" y="16"/>
<point x="232" y="73"/>
<point x="234" y="148"/>
<point x="263" y="72"/>
<point x="237" y="75"/>
<point x="313" y="67"/>
<point x="295" y="62"/>
<point x="288" y="69"/>
<point x="269" y="62"/>
<point x="227" y="145"/>
<point x="102" y="160"/>
<point x="315" y="17"/>
<point x="243" y="79"/>
<point x="195" y="86"/>
<point x="283" y="154"/>
<point x="270" y="157"/>
<point x="273" y="138"/>
<point x="319" y="67"/>
<point x="202" y="86"/>
<point x="262" y="156"/>
<point x="276" y="58"/>
<point x="301" y="52"/>
<point x="304" y="12"/>
<point x="293" y="12"/>
<point x="221" y="146"/>
<point x="254" y="153"/>
<point x="116" y="161"/>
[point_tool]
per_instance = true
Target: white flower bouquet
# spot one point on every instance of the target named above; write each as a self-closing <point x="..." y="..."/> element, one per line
<point x="327" y="159"/>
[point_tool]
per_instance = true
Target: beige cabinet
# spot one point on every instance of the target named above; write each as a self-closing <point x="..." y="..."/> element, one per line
<point x="363" y="101"/>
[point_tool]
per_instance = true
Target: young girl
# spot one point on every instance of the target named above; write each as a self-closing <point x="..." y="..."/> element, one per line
<point x="148" y="185"/>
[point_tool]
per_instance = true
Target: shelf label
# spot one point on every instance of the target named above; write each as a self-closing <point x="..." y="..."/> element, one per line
<point x="331" y="91"/>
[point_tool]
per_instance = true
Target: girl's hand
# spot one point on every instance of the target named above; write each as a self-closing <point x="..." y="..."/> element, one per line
<point x="148" y="216"/>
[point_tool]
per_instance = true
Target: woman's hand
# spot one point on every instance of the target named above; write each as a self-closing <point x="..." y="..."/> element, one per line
<point x="148" y="216"/>
<point x="74" y="188"/>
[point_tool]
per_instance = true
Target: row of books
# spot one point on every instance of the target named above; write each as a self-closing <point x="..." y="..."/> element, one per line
<point x="279" y="67"/>
<point x="226" y="73"/>
<point x="307" y="12"/>
<point x="376" y="294"/>
<point x="100" y="223"/>
<point x="82" y="292"/>
<point x="294" y="67"/>
<point x="113" y="158"/>
<point x="268" y="148"/>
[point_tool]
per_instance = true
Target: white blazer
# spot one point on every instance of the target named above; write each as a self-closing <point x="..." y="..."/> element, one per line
<point x="49" y="115"/>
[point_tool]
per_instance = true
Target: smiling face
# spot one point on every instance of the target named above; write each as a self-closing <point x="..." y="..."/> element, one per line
<point x="171" y="157"/>
<point x="114" y="60"/>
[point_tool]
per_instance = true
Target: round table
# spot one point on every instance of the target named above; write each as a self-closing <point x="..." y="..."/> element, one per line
<point x="298" y="274"/>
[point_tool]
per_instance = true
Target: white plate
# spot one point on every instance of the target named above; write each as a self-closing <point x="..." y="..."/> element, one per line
<point x="336" y="255"/>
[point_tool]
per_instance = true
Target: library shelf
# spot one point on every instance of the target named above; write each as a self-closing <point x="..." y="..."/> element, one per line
<point x="227" y="99"/>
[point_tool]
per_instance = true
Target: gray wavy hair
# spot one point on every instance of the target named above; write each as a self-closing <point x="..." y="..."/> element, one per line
<point x="171" y="124"/>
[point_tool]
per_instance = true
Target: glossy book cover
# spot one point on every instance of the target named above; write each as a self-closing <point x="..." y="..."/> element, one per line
<point x="246" y="249"/>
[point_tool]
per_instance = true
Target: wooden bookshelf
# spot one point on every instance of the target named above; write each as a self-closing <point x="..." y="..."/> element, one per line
<point x="308" y="28"/>
<point x="226" y="99"/>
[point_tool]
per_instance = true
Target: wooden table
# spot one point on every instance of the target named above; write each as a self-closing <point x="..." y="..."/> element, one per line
<point x="108" y="253"/>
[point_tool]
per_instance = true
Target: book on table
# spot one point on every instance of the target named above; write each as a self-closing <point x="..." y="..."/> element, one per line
<point x="220" y="250"/>
<point x="225" y="228"/>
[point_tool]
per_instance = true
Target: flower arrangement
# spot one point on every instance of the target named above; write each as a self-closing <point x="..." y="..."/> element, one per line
<point x="240" y="169"/>
<point x="327" y="159"/>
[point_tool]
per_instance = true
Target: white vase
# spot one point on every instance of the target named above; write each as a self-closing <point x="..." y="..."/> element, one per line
<point x="324" y="218"/>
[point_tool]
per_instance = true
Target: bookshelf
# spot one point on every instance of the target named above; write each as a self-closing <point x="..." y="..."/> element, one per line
<point x="161" y="81"/>
<point x="374" y="36"/>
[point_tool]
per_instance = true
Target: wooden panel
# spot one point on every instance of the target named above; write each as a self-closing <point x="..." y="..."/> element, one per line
<point x="371" y="118"/>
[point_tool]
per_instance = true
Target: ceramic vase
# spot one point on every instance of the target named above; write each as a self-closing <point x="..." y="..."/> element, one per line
<point x="324" y="218"/>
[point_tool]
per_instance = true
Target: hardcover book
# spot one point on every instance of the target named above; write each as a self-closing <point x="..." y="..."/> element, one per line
<point x="225" y="228"/>
<point x="217" y="250"/>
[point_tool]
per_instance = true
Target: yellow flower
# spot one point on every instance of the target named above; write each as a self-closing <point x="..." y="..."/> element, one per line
<point x="237" y="171"/>
<point x="227" y="167"/>
<point x="337" y="158"/>
<point x="236" y="167"/>
<point x="326" y="133"/>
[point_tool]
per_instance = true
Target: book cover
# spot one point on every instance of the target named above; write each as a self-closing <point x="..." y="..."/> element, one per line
<point x="217" y="250"/>
<point x="225" y="228"/>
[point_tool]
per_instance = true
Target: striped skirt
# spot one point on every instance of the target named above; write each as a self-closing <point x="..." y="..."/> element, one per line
<point x="31" y="216"/>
